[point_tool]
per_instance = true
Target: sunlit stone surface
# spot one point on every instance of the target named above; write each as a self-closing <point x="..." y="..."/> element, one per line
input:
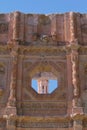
<point x="43" y="48"/>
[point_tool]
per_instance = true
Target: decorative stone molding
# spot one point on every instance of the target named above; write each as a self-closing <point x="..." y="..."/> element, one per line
<point x="44" y="125"/>
<point x="72" y="26"/>
<point x="16" y="26"/>
<point x="44" y="122"/>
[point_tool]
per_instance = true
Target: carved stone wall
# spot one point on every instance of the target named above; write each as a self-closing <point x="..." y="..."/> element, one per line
<point x="35" y="43"/>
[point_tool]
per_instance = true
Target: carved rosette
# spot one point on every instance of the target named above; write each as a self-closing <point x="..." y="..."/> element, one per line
<point x="12" y="98"/>
<point x="75" y="73"/>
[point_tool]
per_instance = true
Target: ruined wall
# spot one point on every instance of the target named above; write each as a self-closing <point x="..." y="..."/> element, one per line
<point x="66" y="27"/>
<point x="35" y="43"/>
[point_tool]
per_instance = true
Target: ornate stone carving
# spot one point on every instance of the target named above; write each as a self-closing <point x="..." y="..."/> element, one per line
<point x="39" y="44"/>
<point x="45" y="38"/>
<point x="10" y="110"/>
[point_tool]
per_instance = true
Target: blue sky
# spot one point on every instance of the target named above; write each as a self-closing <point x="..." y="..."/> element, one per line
<point x="43" y="6"/>
<point x="53" y="84"/>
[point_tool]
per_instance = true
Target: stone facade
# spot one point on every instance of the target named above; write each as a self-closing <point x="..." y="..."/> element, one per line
<point x="31" y="44"/>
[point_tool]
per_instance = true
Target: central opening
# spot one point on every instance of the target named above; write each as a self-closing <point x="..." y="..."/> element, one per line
<point x="44" y="82"/>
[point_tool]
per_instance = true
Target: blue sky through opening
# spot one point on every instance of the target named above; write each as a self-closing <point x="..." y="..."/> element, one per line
<point x="53" y="84"/>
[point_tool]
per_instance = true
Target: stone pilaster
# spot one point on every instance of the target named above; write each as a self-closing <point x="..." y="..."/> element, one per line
<point x="12" y="98"/>
<point x="14" y="57"/>
<point x="16" y="25"/>
<point x="75" y="67"/>
<point x="76" y="103"/>
<point x="72" y="27"/>
<point x="11" y="104"/>
<point x="69" y="81"/>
